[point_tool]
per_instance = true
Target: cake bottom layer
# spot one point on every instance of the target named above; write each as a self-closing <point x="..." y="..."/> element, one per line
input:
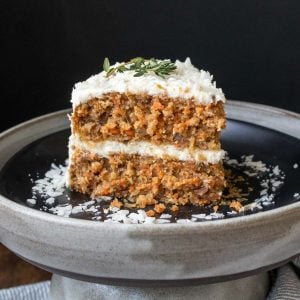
<point x="145" y="180"/>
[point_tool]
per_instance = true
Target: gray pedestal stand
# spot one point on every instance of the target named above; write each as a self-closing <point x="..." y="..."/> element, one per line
<point x="249" y="288"/>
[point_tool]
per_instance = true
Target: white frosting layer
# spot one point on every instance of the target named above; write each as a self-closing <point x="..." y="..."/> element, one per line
<point x="185" y="82"/>
<point x="144" y="148"/>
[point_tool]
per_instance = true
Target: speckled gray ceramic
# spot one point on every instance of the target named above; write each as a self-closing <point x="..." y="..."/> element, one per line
<point x="248" y="288"/>
<point x="160" y="254"/>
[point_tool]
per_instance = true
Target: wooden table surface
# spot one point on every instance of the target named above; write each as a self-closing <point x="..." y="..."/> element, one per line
<point x="14" y="271"/>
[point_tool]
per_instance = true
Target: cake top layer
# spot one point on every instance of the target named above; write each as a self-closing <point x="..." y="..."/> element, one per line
<point x="186" y="82"/>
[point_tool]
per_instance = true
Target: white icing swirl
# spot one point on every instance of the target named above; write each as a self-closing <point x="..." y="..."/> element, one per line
<point x="186" y="82"/>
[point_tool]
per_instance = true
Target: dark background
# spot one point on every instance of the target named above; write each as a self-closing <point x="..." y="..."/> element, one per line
<point x="251" y="47"/>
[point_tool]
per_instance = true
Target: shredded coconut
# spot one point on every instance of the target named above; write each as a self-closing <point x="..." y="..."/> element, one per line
<point x="273" y="179"/>
<point x="185" y="82"/>
<point x="165" y="216"/>
<point x="50" y="201"/>
<point x="51" y="189"/>
<point x="31" y="202"/>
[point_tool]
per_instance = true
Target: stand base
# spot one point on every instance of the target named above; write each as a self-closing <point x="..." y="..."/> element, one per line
<point x="253" y="287"/>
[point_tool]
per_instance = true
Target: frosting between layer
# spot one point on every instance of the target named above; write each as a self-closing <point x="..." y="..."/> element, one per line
<point x="186" y="82"/>
<point x="106" y="148"/>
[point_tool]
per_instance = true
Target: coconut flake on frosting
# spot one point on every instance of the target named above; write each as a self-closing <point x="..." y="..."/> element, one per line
<point x="185" y="82"/>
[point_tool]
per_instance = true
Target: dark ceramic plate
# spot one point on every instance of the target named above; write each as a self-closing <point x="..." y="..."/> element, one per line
<point x="238" y="139"/>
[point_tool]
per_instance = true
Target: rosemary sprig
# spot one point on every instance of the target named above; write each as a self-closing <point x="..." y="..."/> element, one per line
<point x="141" y="66"/>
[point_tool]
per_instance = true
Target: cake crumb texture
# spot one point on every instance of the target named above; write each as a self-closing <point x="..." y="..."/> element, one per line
<point x="146" y="180"/>
<point x="158" y="119"/>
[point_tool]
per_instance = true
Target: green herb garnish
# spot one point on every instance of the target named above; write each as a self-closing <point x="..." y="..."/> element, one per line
<point x="141" y="66"/>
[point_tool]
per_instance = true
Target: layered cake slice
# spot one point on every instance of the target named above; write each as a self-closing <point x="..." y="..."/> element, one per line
<point x="148" y="131"/>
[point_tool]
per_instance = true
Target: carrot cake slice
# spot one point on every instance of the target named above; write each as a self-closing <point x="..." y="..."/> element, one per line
<point x="148" y="130"/>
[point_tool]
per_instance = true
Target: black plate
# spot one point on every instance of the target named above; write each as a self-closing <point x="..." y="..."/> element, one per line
<point x="238" y="139"/>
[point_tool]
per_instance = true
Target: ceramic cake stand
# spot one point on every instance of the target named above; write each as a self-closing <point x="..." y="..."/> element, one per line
<point x="222" y="259"/>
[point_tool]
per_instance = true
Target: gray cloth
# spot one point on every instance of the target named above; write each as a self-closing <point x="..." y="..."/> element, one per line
<point x="286" y="286"/>
<point x="37" y="291"/>
<point x="287" y="282"/>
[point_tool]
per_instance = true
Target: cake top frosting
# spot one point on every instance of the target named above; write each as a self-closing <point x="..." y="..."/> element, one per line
<point x="186" y="82"/>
